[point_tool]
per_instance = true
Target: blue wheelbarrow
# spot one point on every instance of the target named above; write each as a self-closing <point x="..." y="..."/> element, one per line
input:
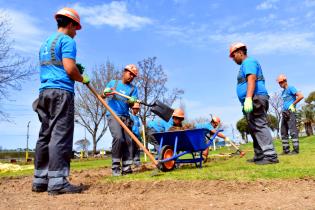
<point x="174" y="144"/>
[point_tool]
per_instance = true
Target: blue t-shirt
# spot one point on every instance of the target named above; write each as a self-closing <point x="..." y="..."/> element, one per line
<point x="118" y="103"/>
<point x="136" y="125"/>
<point x="52" y="73"/>
<point x="250" y="66"/>
<point x="288" y="96"/>
<point x="159" y="125"/>
<point x="206" y="125"/>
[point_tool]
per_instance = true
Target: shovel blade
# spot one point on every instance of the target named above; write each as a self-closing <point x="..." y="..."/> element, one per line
<point x="162" y="110"/>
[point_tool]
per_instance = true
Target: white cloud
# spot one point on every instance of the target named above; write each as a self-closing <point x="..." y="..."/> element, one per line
<point x="266" y="42"/>
<point x="268" y="4"/>
<point x="24" y="30"/>
<point x="272" y="42"/>
<point x="309" y="3"/>
<point x="114" y="14"/>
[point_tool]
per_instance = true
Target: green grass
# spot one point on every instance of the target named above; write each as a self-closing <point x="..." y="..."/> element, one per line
<point x="235" y="168"/>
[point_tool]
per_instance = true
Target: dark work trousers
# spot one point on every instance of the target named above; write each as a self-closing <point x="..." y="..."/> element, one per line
<point x="259" y="130"/>
<point x="136" y="153"/>
<point x="55" y="108"/>
<point x="152" y="140"/>
<point x="288" y="125"/>
<point x="121" y="145"/>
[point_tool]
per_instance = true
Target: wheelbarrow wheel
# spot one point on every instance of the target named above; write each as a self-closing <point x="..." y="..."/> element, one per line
<point x="167" y="152"/>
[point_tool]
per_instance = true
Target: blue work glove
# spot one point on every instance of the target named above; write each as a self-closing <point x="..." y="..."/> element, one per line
<point x="86" y="79"/>
<point x="107" y="91"/>
<point x="132" y="100"/>
<point x="292" y="108"/>
<point x="248" y="105"/>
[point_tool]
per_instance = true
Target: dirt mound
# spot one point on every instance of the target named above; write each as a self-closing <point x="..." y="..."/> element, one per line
<point x="15" y="193"/>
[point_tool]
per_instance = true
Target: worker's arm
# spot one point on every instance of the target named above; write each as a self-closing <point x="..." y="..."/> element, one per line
<point x="71" y="69"/>
<point x="221" y="135"/>
<point x="251" y="85"/>
<point x="299" y="97"/>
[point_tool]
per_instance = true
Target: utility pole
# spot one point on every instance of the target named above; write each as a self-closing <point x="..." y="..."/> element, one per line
<point x="27" y="137"/>
<point x="233" y="131"/>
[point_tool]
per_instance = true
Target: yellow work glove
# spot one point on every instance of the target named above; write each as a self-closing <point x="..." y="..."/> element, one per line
<point x="248" y="105"/>
<point x="227" y="139"/>
<point x="292" y="108"/>
<point x="86" y="79"/>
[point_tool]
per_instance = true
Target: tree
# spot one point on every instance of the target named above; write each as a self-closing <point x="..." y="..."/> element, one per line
<point x="276" y="104"/>
<point x="151" y="84"/>
<point x="242" y="127"/>
<point x="272" y="122"/>
<point x="310" y="98"/>
<point x="306" y="116"/>
<point x="83" y="144"/>
<point x="14" y="69"/>
<point x="89" y="112"/>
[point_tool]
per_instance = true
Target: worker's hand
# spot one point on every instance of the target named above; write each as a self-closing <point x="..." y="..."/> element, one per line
<point x="107" y="91"/>
<point x="132" y="100"/>
<point x="86" y="79"/>
<point x="292" y="108"/>
<point x="248" y="105"/>
<point x="227" y="139"/>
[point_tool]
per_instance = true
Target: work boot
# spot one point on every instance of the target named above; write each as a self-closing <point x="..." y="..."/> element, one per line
<point x="67" y="189"/>
<point x="116" y="172"/>
<point x="39" y="188"/>
<point x="126" y="172"/>
<point x="253" y="160"/>
<point x="266" y="161"/>
<point x="293" y="152"/>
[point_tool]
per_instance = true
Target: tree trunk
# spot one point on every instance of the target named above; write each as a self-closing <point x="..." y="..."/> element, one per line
<point x="94" y="144"/>
<point x="246" y="138"/>
<point x="308" y="128"/>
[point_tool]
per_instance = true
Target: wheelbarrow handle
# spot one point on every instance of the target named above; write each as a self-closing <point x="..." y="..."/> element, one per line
<point x="133" y="137"/>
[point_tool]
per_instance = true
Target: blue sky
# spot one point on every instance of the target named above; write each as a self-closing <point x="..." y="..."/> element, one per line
<point x="190" y="39"/>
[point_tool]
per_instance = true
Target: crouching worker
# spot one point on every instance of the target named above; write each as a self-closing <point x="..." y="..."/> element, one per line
<point x="136" y="130"/>
<point x="122" y="143"/>
<point x="212" y="127"/>
<point x="156" y="126"/>
<point x="178" y="118"/>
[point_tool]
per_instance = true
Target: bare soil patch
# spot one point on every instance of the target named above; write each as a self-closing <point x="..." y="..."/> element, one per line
<point x="15" y="193"/>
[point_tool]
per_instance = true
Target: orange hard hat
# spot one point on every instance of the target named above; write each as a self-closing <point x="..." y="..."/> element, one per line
<point x="132" y="68"/>
<point x="70" y="13"/>
<point x="236" y="46"/>
<point x="136" y="105"/>
<point x="179" y="113"/>
<point x="216" y="119"/>
<point x="281" y="78"/>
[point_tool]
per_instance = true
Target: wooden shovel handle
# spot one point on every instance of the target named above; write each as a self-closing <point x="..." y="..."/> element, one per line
<point x="134" y="138"/>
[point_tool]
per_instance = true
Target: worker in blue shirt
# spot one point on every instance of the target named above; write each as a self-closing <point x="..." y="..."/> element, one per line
<point x="55" y="106"/>
<point x="290" y="97"/>
<point x="122" y="143"/>
<point x="136" y="130"/>
<point x="254" y="98"/>
<point x="156" y="126"/>
<point x="212" y="127"/>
